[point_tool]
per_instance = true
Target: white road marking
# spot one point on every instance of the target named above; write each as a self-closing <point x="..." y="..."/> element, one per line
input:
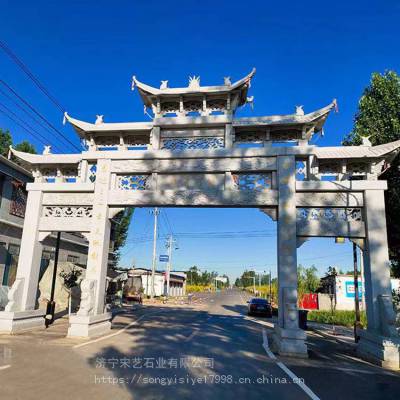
<point x="192" y="335"/>
<point x="266" y="347"/>
<point x="112" y="334"/>
<point x="4" y="367"/>
<point x="282" y="366"/>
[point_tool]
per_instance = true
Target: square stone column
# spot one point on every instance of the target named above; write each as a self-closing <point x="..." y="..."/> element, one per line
<point x="20" y="310"/>
<point x="92" y="318"/>
<point x="288" y="339"/>
<point x="380" y="343"/>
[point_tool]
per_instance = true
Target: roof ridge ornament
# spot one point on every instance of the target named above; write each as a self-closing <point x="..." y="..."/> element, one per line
<point x="365" y="141"/>
<point x="250" y="101"/>
<point x="164" y="85"/>
<point x="335" y="105"/>
<point x="227" y="81"/>
<point x="194" y="82"/>
<point x="133" y="83"/>
<point x="299" y="110"/>
<point x="65" y="118"/>
<point x="99" y="119"/>
<point x="47" y="150"/>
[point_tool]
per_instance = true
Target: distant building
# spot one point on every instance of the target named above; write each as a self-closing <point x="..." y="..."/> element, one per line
<point x="340" y="288"/>
<point x="139" y="281"/>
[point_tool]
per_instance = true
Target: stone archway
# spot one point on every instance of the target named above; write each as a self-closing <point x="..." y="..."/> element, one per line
<point x="198" y="161"/>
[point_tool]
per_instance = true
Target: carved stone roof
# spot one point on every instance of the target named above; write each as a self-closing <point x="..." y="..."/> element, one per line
<point x="82" y="128"/>
<point x="146" y="91"/>
<point x="35" y="159"/>
<point x="317" y="118"/>
<point x="379" y="151"/>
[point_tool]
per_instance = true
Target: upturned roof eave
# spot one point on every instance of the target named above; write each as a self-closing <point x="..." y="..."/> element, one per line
<point x="317" y="118"/>
<point x="37" y="159"/>
<point x="357" y="152"/>
<point x="83" y="128"/>
<point x="147" y="91"/>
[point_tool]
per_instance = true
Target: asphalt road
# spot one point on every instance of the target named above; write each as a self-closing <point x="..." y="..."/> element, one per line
<point x="210" y="350"/>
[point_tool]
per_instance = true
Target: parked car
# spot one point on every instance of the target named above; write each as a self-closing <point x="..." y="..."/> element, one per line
<point x="258" y="306"/>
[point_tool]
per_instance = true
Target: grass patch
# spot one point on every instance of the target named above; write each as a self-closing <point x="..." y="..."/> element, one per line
<point x="339" y="317"/>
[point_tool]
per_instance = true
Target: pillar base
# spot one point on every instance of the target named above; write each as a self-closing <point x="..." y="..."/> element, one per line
<point x="15" y="321"/>
<point x="380" y="350"/>
<point x="89" y="326"/>
<point x="289" y="342"/>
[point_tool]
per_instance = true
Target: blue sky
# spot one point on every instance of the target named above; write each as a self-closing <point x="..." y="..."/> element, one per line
<point x="305" y="52"/>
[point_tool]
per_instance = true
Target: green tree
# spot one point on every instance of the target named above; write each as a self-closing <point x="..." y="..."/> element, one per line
<point x="26" y="147"/>
<point x="193" y="275"/>
<point x="227" y="280"/>
<point x="307" y="280"/>
<point x="378" y="117"/>
<point x="5" y="142"/>
<point x="247" y="278"/>
<point x="121" y="224"/>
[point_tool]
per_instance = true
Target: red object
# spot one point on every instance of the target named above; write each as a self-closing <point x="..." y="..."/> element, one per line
<point x="309" y="301"/>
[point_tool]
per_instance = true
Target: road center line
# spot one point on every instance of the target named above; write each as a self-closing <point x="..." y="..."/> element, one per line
<point x="282" y="366"/>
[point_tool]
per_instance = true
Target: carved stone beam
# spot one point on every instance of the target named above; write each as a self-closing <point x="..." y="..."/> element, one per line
<point x="272" y="212"/>
<point x="360" y="243"/>
<point x="86" y="235"/>
<point x="43" y="235"/>
<point x="301" y="240"/>
<point x="113" y="211"/>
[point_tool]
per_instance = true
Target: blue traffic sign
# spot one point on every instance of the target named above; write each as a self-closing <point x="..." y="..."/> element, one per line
<point x="164" y="258"/>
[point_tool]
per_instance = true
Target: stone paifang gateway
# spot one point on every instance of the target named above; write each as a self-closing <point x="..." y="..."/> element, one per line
<point x="196" y="153"/>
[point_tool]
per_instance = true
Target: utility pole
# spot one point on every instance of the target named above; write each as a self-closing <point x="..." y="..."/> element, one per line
<point x="270" y="286"/>
<point x="171" y="242"/>
<point x="356" y="294"/>
<point x="153" y="267"/>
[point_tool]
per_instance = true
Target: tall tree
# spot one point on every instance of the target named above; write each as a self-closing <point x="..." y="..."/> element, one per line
<point x="5" y="142"/>
<point x="307" y="280"/>
<point x="121" y="224"/>
<point x="26" y="147"/>
<point x="378" y="117"/>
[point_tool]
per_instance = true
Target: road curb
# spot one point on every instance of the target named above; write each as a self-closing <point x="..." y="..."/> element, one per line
<point x="329" y="336"/>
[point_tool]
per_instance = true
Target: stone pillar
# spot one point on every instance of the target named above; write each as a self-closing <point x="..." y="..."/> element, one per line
<point x="380" y="343"/>
<point x="288" y="339"/>
<point x="155" y="138"/>
<point x="20" y="312"/>
<point x="229" y="136"/>
<point x="92" y="319"/>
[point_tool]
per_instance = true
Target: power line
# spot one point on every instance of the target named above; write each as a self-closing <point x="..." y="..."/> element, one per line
<point x="27" y="71"/>
<point x="25" y="111"/>
<point x="27" y="127"/>
<point x="38" y="114"/>
<point x="19" y="124"/>
<point x="167" y="221"/>
<point x="31" y="128"/>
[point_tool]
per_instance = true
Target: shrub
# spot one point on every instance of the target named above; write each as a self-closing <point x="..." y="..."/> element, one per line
<point x="338" y="317"/>
<point x="197" y="288"/>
